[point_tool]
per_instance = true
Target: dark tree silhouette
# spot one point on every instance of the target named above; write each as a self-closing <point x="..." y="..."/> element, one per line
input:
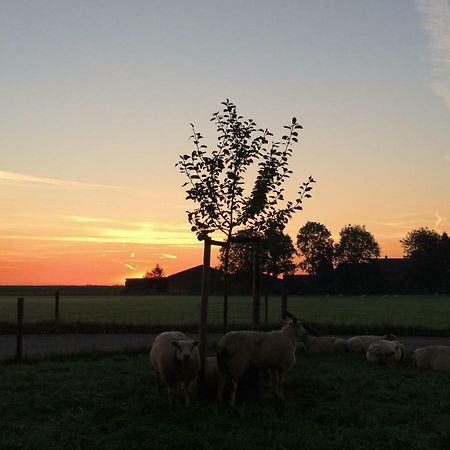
<point x="276" y="254"/>
<point x="430" y="258"/>
<point x="156" y="272"/>
<point x="315" y="245"/>
<point x="356" y="245"/>
<point x="216" y="179"/>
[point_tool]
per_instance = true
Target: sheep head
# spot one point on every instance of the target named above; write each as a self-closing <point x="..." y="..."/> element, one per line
<point x="184" y="350"/>
<point x="295" y="323"/>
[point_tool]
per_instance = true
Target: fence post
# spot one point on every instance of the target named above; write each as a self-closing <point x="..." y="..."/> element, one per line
<point x="256" y="291"/>
<point x="19" y="348"/>
<point x="284" y="300"/>
<point x="204" y="309"/>
<point x="56" y="306"/>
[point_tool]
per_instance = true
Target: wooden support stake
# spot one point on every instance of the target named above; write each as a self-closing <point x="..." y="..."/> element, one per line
<point x="204" y="309"/>
<point x="284" y="300"/>
<point x="266" y="310"/>
<point x="256" y="290"/>
<point x="19" y="347"/>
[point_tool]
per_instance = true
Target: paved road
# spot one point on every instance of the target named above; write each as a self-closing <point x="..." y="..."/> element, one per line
<point x="38" y="345"/>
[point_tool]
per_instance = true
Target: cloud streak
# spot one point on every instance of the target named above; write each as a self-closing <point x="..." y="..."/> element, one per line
<point x="436" y="22"/>
<point x="16" y="177"/>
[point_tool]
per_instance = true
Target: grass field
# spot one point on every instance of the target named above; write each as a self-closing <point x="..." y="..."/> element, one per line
<point x="333" y="402"/>
<point x="410" y="314"/>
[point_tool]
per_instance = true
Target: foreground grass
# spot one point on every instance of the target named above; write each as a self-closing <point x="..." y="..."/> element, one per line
<point x="333" y="402"/>
<point x="407" y="314"/>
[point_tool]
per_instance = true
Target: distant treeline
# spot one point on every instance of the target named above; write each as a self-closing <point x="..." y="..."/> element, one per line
<point x="63" y="290"/>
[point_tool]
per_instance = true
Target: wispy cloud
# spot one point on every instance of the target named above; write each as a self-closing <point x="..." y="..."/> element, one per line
<point x="15" y="177"/>
<point x="436" y="21"/>
<point x="447" y="158"/>
<point x="169" y="256"/>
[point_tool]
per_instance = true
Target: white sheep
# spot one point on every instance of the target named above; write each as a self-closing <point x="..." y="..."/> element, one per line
<point x="435" y="357"/>
<point x="239" y="351"/>
<point x="360" y="344"/>
<point x="385" y="351"/>
<point x="176" y="361"/>
<point x="324" y="344"/>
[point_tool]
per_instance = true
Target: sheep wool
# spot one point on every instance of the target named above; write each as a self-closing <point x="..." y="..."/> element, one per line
<point x="239" y="351"/>
<point x="435" y="357"/>
<point x="175" y="360"/>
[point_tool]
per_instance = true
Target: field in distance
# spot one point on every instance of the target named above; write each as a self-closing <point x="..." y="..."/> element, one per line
<point x="408" y="314"/>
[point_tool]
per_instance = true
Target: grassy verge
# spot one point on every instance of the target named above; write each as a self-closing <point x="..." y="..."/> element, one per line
<point x="333" y="402"/>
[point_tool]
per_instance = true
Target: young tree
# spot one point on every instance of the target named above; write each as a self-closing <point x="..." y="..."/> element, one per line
<point x="315" y="245"/>
<point x="356" y="245"/>
<point x="216" y="179"/>
<point x="156" y="272"/>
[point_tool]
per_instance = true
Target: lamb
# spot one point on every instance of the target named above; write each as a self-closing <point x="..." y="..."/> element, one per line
<point x="324" y="344"/>
<point x="385" y="351"/>
<point x="360" y="344"/>
<point x="176" y="360"/>
<point x="239" y="351"/>
<point x="435" y="357"/>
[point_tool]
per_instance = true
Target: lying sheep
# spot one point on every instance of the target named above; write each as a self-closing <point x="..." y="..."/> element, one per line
<point x="239" y="351"/>
<point x="435" y="357"/>
<point x="176" y="361"/>
<point x="385" y="351"/>
<point x="324" y="344"/>
<point x="360" y="344"/>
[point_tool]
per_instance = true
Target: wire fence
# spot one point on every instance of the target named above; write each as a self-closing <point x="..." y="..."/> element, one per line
<point x="130" y="313"/>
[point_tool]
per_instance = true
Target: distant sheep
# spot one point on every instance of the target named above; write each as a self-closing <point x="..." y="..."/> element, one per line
<point x="176" y="361"/>
<point x="242" y="350"/>
<point x="435" y="357"/>
<point x="360" y="344"/>
<point x="385" y="351"/>
<point x="324" y="344"/>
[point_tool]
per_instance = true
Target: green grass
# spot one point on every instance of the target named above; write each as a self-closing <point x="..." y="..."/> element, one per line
<point x="332" y="402"/>
<point x="407" y="314"/>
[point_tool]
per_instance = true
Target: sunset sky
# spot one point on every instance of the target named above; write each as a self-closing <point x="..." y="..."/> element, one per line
<point x="97" y="97"/>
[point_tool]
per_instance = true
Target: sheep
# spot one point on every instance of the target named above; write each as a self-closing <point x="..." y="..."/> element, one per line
<point x="435" y="357"/>
<point x="385" y="351"/>
<point x="176" y="360"/>
<point x="324" y="344"/>
<point x="360" y="344"/>
<point x="239" y="351"/>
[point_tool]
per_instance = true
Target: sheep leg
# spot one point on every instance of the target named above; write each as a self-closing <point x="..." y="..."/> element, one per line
<point x="187" y="393"/>
<point x="233" y="395"/>
<point x="280" y="393"/>
<point x="157" y="381"/>
<point x="220" y="387"/>
<point x="170" y="389"/>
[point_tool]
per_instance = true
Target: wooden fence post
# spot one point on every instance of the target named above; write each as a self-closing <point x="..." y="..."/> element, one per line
<point x="56" y="306"/>
<point x="19" y="348"/>
<point x="203" y="336"/>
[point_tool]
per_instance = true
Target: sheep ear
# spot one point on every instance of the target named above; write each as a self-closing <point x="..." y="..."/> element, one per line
<point x="195" y="343"/>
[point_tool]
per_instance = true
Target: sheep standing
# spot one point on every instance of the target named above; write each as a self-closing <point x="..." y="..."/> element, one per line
<point x="324" y="344"/>
<point x="385" y="351"/>
<point x="435" y="357"/>
<point x="360" y="344"/>
<point x="176" y="361"/>
<point x="239" y="351"/>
